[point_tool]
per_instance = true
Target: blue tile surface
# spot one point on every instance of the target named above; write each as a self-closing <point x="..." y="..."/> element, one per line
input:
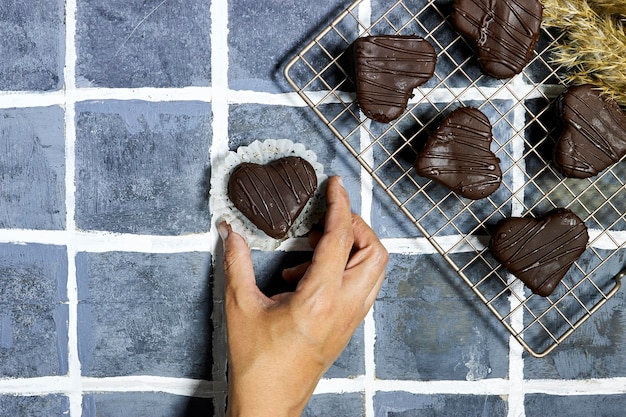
<point x="402" y="404"/>
<point x="144" y="314"/>
<point x="33" y="45"/>
<point x="250" y="122"/>
<point x="32" y="168"/>
<point x="596" y="349"/>
<point x="257" y="57"/>
<point x="45" y="406"/>
<point x="140" y="404"/>
<point x="153" y="43"/>
<point x="332" y="405"/>
<point x="539" y="405"/>
<point x="33" y="313"/>
<point x="419" y="294"/>
<point x="140" y="164"/>
<point x="143" y="167"/>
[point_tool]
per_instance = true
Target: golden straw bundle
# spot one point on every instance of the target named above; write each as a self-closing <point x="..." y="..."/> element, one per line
<point x="594" y="48"/>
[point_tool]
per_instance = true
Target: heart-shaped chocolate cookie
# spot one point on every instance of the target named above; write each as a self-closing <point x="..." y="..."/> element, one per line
<point x="458" y="155"/>
<point x="505" y="32"/>
<point x="272" y="196"/>
<point x="387" y="69"/>
<point x="594" y="136"/>
<point x="540" y="251"/>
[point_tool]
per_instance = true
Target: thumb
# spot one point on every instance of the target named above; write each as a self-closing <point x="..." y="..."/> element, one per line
<point x="238" y="269"/>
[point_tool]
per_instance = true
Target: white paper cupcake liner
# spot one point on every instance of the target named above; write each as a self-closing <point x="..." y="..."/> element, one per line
<point x="262" y="153"/>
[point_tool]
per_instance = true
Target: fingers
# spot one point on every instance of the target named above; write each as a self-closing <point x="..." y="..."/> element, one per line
<point x="333" y="249"/>
<point x="365" y="271"/>
<point x="240" y="284"/>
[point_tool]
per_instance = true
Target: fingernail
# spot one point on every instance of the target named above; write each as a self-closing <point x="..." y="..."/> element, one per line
<point x="223" y="229"/>
<point x="340" y="181"/>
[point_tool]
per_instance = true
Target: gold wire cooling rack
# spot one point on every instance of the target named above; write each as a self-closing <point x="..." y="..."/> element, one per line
<point x="522" y="113"/>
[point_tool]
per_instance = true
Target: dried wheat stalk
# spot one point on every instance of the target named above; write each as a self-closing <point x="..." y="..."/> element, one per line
<point x="594" y="48"/>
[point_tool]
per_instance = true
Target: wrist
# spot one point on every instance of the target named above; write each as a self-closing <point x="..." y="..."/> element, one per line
<point x="264" y="398"/>
<point x="270" y="407"/>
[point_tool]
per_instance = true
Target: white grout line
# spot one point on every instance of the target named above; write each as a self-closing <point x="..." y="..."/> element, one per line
<point x="100" y="242"/>
<point x="147" y="383"/>
<point x="11" y="100"/>
<point x="516" y="358"/>
<point x="140" y="383"/>
<point x="340" y="385"/>
<point x="367" y="194"/>
<point x="25" y="99"/>
<point x="194" y="387"/>
<point x="19" y="99"/>
<point x="74" y="367"/>
<point x="369" y="324"/>
<point x="575" y="387"/>
<point x="104" y="241"/>
<point x="487" y="386"/>
<point x="219" y="149"/>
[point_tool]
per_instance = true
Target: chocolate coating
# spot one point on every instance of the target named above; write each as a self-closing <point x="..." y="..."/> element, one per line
<point x="272" y="196"/>
<point x="505" y="32"/>
<point x="387" y="69"/>
<point x="540" y="251"/>
<point x="594" y="136"/>
<point x="458" y="155"/>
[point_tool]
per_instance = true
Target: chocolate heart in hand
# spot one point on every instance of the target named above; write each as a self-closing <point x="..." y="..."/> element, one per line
<point x="595" y="133"/>
<point x="458" y="155"/>
<point x="388" y="68"/>
<point x="540" y="251"/>
<point x="504" y="32"/>
<point x="272" y="196"/>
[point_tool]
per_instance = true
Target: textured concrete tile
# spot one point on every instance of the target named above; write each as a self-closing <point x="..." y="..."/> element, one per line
<point x="33" y="45"/>
<point x="268" y="267"/>
<point x="595" y="349"/>
<point x="258" y="52"/>
<point x="250" y="122"/>
<point x="32" y="168"/>
<point x="144" y="314"/>
<point x="540" y="405"/>
<point x="402" y="404"/>
<point x="33" y="316"/>
<point x="153" y="43"/>
<point x="143" y="167"/>
<point x="429" y="326"/>
<point x="135" y="404"/>
<point x="332" y="405"/>
<point x="49" y="405"/>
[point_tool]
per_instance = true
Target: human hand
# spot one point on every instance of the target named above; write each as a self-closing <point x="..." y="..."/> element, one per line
<point x="279" y="347"/>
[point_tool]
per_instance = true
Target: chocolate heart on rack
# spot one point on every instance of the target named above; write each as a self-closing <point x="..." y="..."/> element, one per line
<point x="387" y="69"/>
<point x="458" y="155"/>
<point x="595" y="133"/>
<point x="272" y="196"/>
<point x="540" y="251"/>
<point x="504" y="32"/>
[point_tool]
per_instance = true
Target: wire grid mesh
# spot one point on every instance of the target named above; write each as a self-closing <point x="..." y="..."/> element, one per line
<point x="522" y="112"/>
